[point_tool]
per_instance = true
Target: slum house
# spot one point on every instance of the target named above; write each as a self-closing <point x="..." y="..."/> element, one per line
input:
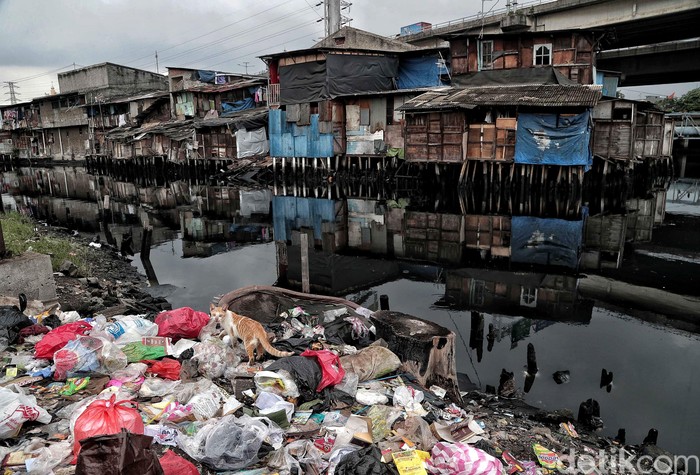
<point x="20" y="134"/>
<point x="219" y="117"/>
<point x="534" y="131"/>
<point x="340" y="97"/>
<point x="65" y="116"/>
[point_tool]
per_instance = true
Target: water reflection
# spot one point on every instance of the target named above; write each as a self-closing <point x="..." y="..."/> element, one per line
<point x="498" y="270"/>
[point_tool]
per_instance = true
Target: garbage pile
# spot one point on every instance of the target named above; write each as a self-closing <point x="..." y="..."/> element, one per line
<point x="176" y="394"/>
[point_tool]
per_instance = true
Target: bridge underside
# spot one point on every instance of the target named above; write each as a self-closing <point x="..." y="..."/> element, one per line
<point x="658" y="64"/>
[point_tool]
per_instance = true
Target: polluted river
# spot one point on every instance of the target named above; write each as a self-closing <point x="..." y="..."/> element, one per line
<point x="410" y="249"/>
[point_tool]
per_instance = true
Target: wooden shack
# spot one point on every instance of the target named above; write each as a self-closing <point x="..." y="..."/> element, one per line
<point x="488" y="233"/>
<point x="625" y="130"/>
<point x="604" y="241"/>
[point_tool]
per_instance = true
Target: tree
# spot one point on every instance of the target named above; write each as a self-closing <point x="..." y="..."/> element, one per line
<point x="689" y="102"/>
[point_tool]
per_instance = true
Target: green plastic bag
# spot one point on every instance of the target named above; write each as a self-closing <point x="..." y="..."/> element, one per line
<point x="137" y="351"/>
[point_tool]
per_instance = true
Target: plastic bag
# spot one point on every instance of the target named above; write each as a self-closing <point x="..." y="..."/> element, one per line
<point x="279" y="382"/>
<point x="307" y="454"/>
<point x="78" y="356"/>
<point x="410" y="399"/>
<point x="137" y="351"/>
<point x="16" y="408"/>
<point x="124" y="453"/>
<point x="383" y="417"/>
<point x="206" y="404"/>
<point x="155" y="387"/>
<point x="447" y="459"/>
<point x="269" y="403"/>
<point x="215" y="359"/>
<point x="12" y="320"/>
<point x="129" y="328"/>
<point x="369" y="397"/>
<point x="283" y="463"/>
<point x="181" y="323"/>
<point x="371" y="362"/>
<point x="229" y="443"/>
<point x="416" y="429"/>
<point x="47" y="458"/>
<point x="104" y="417"/>
<point x="331" y="370"/>
<point x="167" y="368"/>
<point x="58" y="338"/>
<point x="173" y="464"/>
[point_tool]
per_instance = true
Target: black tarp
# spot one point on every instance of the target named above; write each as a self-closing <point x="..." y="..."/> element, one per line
<point x="513" y="76"/>
<point x="353" y="74"/>
<point x="339" y="75"/>
<point x="304" y="82"/>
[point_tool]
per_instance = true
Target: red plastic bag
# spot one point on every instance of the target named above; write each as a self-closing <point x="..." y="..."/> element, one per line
<point x="331" y="371"/>
<point x="167" y="368"/>
<point x="173" y="464"/>
<point x="106" y="417"/>
<point x="58" y="338"/>
<point x="181" y="323"/>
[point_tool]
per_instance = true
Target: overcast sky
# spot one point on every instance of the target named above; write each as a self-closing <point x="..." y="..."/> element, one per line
<point x="39" y="38"/>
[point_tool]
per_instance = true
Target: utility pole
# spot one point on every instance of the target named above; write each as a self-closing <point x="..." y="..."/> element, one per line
<point x="157" y="72"/>
<point x="245" y="65"/>
<point x="331" y="16"/>
<point x="13" y="91"/>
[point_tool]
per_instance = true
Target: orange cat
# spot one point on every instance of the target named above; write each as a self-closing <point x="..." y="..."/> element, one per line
<point x="251" y="332"/>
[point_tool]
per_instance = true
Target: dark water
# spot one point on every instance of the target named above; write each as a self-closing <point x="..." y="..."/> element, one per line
<point x="656" y="368"/>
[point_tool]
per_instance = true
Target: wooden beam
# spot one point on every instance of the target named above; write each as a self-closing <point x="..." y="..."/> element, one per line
<point x="305" y="287"/>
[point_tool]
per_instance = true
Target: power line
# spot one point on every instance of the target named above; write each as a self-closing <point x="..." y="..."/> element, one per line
<point x="28" y="78"/>
<point x="226" y="38"/>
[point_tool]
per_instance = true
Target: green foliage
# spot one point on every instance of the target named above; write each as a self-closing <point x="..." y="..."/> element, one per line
<point x="20" y="236"/>
<point x="688" y="102"/>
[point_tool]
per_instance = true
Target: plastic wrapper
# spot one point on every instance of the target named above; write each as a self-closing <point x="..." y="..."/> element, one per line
<point x="104" y="417"/>
<point x="269" y="403"/>
<point x="383" y="417"/>
<point x="348" y="384"/>
<point x="371" y="363"/>
<point x="87" y="355"/>
<point x="124" y="453"/>
<point x="447" y="459"/>
<point x="206" y="404"/>
<point x="307" y="454"/>
<point x="215" y="359"/>
<point x="68" y="317"/>
<point x="155" y="387"/>
<point x="547" y="458"/>
<point x="173" y="464"/>
<point x="58" y="338"/>
<point x="331" y="370"/>
<point x="229" y="443"/>
<point x="181" y="323"/>
<point x="277" y="382"/>
<point x="16" y="408"/>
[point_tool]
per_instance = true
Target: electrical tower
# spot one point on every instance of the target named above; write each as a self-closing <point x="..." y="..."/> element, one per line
<point x="333" y="19"/>
<point x="13" y="91"/>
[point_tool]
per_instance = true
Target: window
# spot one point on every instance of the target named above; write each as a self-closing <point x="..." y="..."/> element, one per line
<point x="528" y="297"/>
<point x="485" y="55"/>
<point x="542" y="55"/>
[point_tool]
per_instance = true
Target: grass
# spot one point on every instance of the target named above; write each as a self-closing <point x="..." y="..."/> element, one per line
<point x="20" y="237"/>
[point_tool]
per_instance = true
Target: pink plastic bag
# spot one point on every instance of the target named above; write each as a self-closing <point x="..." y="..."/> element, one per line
<point x="58" y="338"/>
<point x="331" y="371"/>
<point x="106" y="417"/>
<point x="462" y="459"/>
<point x="173" y="464"/>
<point x="181" y="323"/>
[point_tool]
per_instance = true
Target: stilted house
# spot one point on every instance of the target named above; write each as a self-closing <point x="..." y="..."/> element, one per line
<point x="340" y="98"/>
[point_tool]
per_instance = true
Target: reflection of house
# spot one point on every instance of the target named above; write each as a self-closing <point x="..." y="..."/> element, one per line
<point x="324" y="221"/>
<point x="341" y="96"/>
<point x="544" y="296"/>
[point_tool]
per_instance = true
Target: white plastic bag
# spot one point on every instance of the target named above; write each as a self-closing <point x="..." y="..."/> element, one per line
<point x="129" y="328"/>
<point x="16" y="408"/>
<point x="278" y="382"/>
<point x="48" y="458"/>
<point x="369" y="397"/>
<point x="153" y="387"/>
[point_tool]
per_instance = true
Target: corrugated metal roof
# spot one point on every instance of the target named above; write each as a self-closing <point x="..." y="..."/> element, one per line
<point x="531" y="95"/>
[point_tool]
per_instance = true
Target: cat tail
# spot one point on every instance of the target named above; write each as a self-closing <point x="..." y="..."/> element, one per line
<point x="274" y="351"/>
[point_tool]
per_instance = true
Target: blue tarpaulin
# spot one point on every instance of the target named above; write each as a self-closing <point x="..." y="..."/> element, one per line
<point x="543" y="241"/>
<point x="420" y="72"/>
<point x="553" y="139"/>
<point x="205" y="76"/>
<point x="247" y="103"/>
<point x="293" y="213"/>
